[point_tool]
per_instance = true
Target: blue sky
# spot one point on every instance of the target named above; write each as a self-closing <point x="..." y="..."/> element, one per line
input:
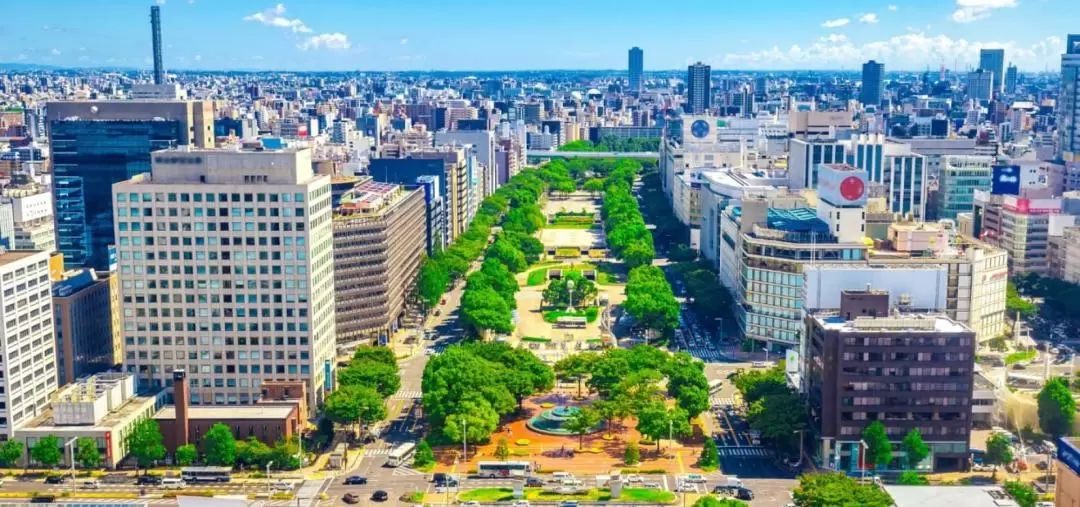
<point x="519" y="34"/>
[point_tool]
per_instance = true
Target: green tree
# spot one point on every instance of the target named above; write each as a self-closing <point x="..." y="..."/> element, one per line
<point x="424" y="455"/>
<point x="285" y="454"/>
<point x="474" y="419"/>
<point x="565" y="186"/>
<point x="1024" y="494"/>
<point x="694" y="400"/>
<point x="355" y="405"/>
<point x="658" y="422"/>
<point x="998" y="451"/>
<point x="582" y="422"/>
<point x="710" y="455"/>
<point x="46" y="451"/>
<point x="382" y="377"/>
<point x="576" y="367"/>
<point x="86" y="453"/>
<point x="219" y="445"/>
<point x="649" y="299"/>
<point x="10" y="452"/>
<point x="916" y="449"/>
<point x="485" y="310"/>
<point x="878" y="448"/>
<point x="1057" y="408"/>
<point x="252" y="452"/>
<point x="187" y="454"/>
<point x="433" y="280"/>
<point x="837" y="489"/>
<point x="778" y="417"/>
<point x="144" y="441"/>
<point x="912" y="478"/>
<point x="594" y="186"/>
<point x="632" y="455"/>
<point x="502" y="450"/>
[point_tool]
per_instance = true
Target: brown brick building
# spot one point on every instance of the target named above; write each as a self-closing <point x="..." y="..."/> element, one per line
<point x="865" y="364"/>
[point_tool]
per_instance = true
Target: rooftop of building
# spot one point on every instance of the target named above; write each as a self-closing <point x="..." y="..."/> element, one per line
<point x="44" y="424"/>
<point x="370" y="199"/>
<point x="238" y="412"/>
<point x="949" y="496"/>
<point x="791" y="219"/>
<point x="9" y="256"/>
<point x="896" y="322"/>
<point x="842" y="167"/>
<point x="234" y="148"/>
<point x="74" y="281"/>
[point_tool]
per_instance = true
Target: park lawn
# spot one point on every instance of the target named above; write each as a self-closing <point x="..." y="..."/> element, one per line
<point x="565" y="225"/>
<point x="1020" y="357"/>
<point x="646" y="495"/>
<point x="536" y="339"/>
<point x="567" y="252"/>
<point x="539" y="275"/>
<point x="590" y="314"/>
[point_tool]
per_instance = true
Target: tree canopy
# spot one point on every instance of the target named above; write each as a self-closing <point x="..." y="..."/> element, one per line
<point x="649" y="299"/>
<point x="374" y="367"/>
<point x="219" y="446"/>
<point x="144" y="441"/>
<point x="775" y="409"/>
<point x="838" y="490"/>
<point x="1057" y="408"/>
<point x="878" y="448"/>
<point x="916" y="449"/>
<point x="557" y="293"/>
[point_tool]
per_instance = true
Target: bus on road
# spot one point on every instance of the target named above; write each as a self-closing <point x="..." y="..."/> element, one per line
<point x="495" y="469"/>
<point x="401" y="454"/>
<point x="205" y="474"/>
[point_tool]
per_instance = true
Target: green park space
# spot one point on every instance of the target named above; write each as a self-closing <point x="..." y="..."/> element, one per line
<point x="642" y="495"/>
<point x="580" y="226"/>
<point x="604" y="274"/>
<point x="1022" y="356"/>
<point x="590" y="314"/>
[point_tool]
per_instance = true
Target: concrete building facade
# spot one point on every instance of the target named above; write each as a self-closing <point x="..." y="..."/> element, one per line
<point x="226" y="271"/>
<point x="83" y="304"/>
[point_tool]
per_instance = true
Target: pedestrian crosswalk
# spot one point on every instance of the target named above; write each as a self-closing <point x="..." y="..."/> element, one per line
<point x="743" y="451"/>
<point x="407" y="395"/>
<point x="705" y="354"/>
<point x="382" y="451"/>
<point x="406" y="472"/>
<point x="717" y="400"/>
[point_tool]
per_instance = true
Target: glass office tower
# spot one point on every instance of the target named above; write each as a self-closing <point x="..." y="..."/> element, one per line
<point x="88" y="157"/>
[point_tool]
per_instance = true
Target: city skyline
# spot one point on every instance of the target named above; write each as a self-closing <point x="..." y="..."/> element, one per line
<point x="261" y="35"/>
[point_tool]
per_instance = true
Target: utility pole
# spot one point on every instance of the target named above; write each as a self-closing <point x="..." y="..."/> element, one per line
<point x="70" y="444"/>
<point x="464" y="440"/>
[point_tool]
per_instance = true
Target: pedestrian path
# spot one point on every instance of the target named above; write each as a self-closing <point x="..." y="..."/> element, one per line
<point x="406" y="395"/>
<point x="717" y="400"/>
<point x="743" y="451"/>
<point x="405" y="471"/>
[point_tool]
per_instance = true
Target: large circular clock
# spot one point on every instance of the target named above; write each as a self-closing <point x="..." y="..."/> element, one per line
<point x="699" y="129"/>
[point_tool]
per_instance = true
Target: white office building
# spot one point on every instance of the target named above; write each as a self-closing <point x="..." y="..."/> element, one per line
<point x="28" y="347"/>
<point x="226" y="271"/>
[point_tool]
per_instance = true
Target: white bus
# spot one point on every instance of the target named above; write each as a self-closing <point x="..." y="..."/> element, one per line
<point x="400" y="455"/>
<point x="495" y="469"/>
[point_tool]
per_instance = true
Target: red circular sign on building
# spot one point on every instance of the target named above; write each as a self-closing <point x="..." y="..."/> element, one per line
<point x="852" y="188"/>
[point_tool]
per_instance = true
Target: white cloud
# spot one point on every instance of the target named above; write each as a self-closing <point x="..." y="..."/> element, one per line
<point x="974" y="10"/>
<point x="21" y="57"/>
<point x="197" y="58"/>
<point x="334" y="41"/>
<point x="869" y="18"/>
<point x="275" y="16"/>
<point x="893" y="8"/>
<point x="911" y="50"/>
<point x="404" y="41"/>
<point x="160" y="2"/>
<point x="835" y="23"/>
<point x="55" y="52"/>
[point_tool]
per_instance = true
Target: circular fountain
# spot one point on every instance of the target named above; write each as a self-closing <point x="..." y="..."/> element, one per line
<point x="551" y="422"/>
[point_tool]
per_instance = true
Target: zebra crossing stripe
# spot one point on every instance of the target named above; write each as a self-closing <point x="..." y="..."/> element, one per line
<point x="407" y="395"/>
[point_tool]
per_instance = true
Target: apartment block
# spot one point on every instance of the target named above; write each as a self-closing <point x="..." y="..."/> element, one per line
<point x="379" y="242"/>
<point x="225" y="259"/>
<point x="27" y="348"/>
<point x="85" y="324"/>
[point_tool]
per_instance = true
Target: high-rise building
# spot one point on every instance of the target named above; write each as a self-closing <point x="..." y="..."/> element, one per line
<point x="27" y="350"/>
<point x="1010" y="79"/>
<point x="908" y="371"/>
<point x="873" y="83"/>
<point x="1068" y="104"/>
<point x="458" y="179"/>
<point x="993" y="61"/>
<point x="901" y="172"/>
<point x="83" y="303"/>
<point x="98" y="143"/>
<point x="482" y="142"/>
<point x="379" y="242"/>
<point x="980" y="85"/>
<point x="959" y="179"/>
<point x="155" y="29"/>
<point x="235" y="283"/>
<point x="32" y="226"/>
<point x="698" y="88"/>
<point x="636" y="68"/>
<point x="805" y="157"/>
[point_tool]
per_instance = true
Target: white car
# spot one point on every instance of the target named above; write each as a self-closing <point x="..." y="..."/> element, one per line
<point x="283" y="486"/>
<point x="633" y="478"/>
<point x="470" y="504"/>
<point x="519" y="503"/>
<point x="430" y="351"/>
<point x="650" y="485"/>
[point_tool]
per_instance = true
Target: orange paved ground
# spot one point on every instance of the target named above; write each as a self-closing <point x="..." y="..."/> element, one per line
<point x="544" y="450"/>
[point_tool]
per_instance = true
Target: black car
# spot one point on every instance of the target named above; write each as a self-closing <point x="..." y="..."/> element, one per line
<point x="54" y="479"/>
<point x="440" y="478"/>
<point x="534" y="482"/>
<point x="744" y="494"/>
<point x="356" y="479"/>
<point x="380" y="496"/>
<point x="148" y="480"/>
<point x="350" y="498"/>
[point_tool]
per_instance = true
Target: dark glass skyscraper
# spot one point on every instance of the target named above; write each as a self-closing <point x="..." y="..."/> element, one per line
<point x="698" y="88"/>
<point x="636" y="68"/>
<point x="873" y="83"/>
<point x="993" y="60"/>
<point x="88" y="157"/>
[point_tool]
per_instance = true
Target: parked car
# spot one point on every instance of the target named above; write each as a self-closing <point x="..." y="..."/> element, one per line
<point x="534" y="482"/>
<point x="148" y="480"/>
<point x="357" y="480"/>
<point x="744" y="494"/>
<point x="282" y="486"/>
<point x="350" y="498"/>
<point x="54" y="479"/>
<point x="90" y="484"/>
<point x="380" y="496"/>
<point x="519" y="503"/>
<point x="470" y="504"/>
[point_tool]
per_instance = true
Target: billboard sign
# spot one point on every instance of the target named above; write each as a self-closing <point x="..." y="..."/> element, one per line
<point x="842" y="185"/>
<point x="1068" y="455"/>
<point x="1006" y="180"/>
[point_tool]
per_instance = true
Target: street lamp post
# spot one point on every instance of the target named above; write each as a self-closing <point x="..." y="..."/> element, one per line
<point x="862" y="460"/>
<point x="464" y="440"/>
<point x="268" y="478"/>
<point x="798" y="462"/>
<point x="570" y="293"/>
<point x="70" y="444"/>
<point x="670" y="432"/>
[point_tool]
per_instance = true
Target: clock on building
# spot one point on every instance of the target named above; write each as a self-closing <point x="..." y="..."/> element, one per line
<point x="699" y="129"/>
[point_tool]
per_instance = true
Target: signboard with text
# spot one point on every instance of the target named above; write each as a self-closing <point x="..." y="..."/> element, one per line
<point x="1068" y="455"/>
